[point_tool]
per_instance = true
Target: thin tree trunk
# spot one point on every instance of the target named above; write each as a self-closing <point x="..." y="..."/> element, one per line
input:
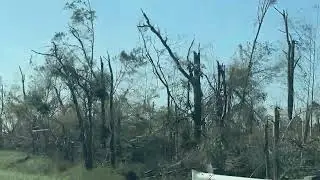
<point x="33" y="134"/>
<point x="309" y="97"/>
<point x="89" y="157"/>
<point x="23" y="83"/>
<point x="46" y="134"/>
<point x="290" y="82"/>
<point x="1" y="114"/>
<point x="266" y="149"/>
<point x="262" y="11"/>
<point x="276" y="144"/>
<point x="118" y="141"/>
<point x="318" y="123"/>
<point x="176" y="133"/>
<point x="103" y="124"/>
<point x="103" y="110"/>
<point x="80" y="120"/>
<point x="312" y="85"/>
<point x="307" y="124"/>
<point x="112" y="124"/>
<point x="168" y="105"/>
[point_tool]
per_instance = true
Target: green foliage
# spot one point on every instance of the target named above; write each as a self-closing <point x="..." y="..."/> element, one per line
<point x="59" y="36"/>
<point x="133" y="60"/>
<point x="36" y="99"/>
<point x="81" y="11"/>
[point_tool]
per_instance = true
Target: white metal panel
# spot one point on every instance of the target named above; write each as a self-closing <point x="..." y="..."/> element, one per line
<point x="196" y="175"/>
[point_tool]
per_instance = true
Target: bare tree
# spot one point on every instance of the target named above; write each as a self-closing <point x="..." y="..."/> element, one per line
<point x="193" y="78"/>
<point x="263" y="8"/>
<point x="308" y="44"/>
<point x="112" y="118"/>
<point x="102" y="94"/>
<point x="158" y="71"/>
<point x="292" y="62"/>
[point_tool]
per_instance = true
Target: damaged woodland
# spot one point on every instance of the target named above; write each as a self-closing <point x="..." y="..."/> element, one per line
<point x="168" y="105"/>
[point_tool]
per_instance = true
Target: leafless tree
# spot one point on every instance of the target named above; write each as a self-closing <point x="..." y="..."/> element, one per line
<point x="193" y="78"/>
<point x="263" y="8"/>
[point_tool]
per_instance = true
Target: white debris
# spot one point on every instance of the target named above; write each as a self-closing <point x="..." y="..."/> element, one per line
<point x="196" y="175"/>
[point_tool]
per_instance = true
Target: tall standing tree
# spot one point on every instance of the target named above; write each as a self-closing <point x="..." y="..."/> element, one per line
<point x="102" y="94"/>
<point x="291" y="63"/>
<point x="74" y="64"/>
<point x="264" y="6"/>
<point x="112" y="117"/>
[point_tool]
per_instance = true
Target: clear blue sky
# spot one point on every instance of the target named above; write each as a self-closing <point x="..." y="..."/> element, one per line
<point x="27" y="25"/>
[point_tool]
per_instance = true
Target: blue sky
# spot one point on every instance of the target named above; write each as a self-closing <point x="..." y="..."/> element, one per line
<point x="27" y="25"/>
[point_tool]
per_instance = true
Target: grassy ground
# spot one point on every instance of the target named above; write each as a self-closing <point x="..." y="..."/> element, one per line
<point x="19" y="166"/>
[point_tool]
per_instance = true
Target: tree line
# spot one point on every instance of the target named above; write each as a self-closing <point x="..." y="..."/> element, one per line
<point x="79" y="105"/>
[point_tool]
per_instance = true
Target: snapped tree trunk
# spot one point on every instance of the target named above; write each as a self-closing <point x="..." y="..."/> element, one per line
<point x="291" y="47"/>
<point x="23" y="83"/>
<point x="222" y="100"/>
<point x="112" y="124"/>
<point x="291" y="64"/>
<point x="266" y="149"/>
<point x="197" y="94"/>
<point x="194" y="79"/>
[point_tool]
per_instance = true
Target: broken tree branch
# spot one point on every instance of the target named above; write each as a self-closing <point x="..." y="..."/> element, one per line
<point x="164" y="43"/>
